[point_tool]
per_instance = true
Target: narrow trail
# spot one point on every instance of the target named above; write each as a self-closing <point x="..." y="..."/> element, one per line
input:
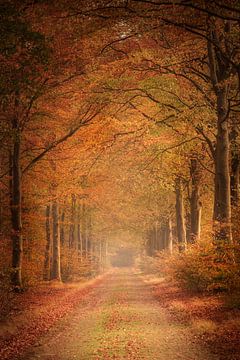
<point x="119" y="320"/>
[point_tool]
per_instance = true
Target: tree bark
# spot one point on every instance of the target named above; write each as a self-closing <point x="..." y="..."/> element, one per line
<point x="169" y="237"/>
<point x="163" y="238"/>
<point x="62" y="228"/>
<point x="181" y="229"/>
<point x="188" y="224"/>
<point x="222" y="209"/>
<point x="56" y="264"/>
<point x="100" y="254"/>
<point x="106" y="253"/>
<point x="235" y="181"/>
<point x="235" y="168"/>
<point x="149" y="242"/>
<point x="220" y="73"/>
<point x="79" y="234"/>
<point x="195" y="203"/>
<point x="156" y="237"/>
<point x="16" y="208"/>
<point x="89" y="232"/>
<point x="72" y="222"/>
<point x="1" y="213"/>
<point x="46" y="269"/>
<point x="84" y="229"/>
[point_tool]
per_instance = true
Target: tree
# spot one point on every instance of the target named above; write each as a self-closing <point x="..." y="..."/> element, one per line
<point x="47" y="259"/>
<point x="56" y="264"/>
<point x="220" y="72"/>
<point x="181" y="229"/>
<point x="195" y="202"/>
<point x="160" y="88"/>
<point x="24" y="55"/>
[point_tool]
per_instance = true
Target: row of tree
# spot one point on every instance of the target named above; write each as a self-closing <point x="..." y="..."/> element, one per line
<point x="141" y="98"/>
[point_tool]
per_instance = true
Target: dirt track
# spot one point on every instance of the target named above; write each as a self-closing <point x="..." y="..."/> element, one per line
<point x="119" y="319"/>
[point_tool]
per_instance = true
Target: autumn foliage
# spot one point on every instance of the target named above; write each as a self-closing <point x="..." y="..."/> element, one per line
<point x="119" y="129"/>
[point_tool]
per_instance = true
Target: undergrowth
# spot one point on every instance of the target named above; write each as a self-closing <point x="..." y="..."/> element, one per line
<point x="6" y="294"/>
<point x="202" y="268"/>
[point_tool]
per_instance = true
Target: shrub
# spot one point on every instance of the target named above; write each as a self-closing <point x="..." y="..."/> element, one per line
<point x="158" y="265"/>
<point x="205" y="267"/>
<point x="6" y="293"/>
<point x="74" y="268"/>
<point x="147" y="264"/>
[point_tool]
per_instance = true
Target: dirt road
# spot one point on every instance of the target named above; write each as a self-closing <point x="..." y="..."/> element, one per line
<point x="119" y="319"/>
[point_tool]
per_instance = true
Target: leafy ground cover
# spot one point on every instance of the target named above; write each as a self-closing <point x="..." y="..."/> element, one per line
<point x="35" y="311"/>
<point x="215" y="320"/>
<point x="121" y="316"/>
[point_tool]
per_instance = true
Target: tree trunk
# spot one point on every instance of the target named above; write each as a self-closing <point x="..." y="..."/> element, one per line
<point x="106" y="253"/>
<point x="195" y="203"/>
<point x="100" y="254"/>
<point x="56" y="265"/>
<point x="62" y="229"/>
<point x="156" y="237"/>
<point x="16" y="208"/>
<point x="89" y="237"/>
<point x="188" y="225"/>
<point x="181" y="229"/>
<point x="163" y="238"/>
<point x="235" y="180"/>
<point x="235" y="172"/>
<point x="46" y="269"/>
<point x="84" y="229"/>
<point x="72" y="222"/>
<point x="151" y="242"/>
<point x="79" y="234"/>
<point x="222" y="210"/>
<point x="220" y="75"/>
<point x="1" y="213"/>
<point x="169" y="237"/>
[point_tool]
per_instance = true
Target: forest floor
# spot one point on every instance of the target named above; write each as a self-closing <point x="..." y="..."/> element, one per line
<point x="121" y="316"/>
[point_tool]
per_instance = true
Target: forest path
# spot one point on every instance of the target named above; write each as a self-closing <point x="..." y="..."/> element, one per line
<point x="119" y="320"/>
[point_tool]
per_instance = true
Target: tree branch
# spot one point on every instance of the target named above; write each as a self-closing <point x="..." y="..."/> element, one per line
<point x="62" y="139"/>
